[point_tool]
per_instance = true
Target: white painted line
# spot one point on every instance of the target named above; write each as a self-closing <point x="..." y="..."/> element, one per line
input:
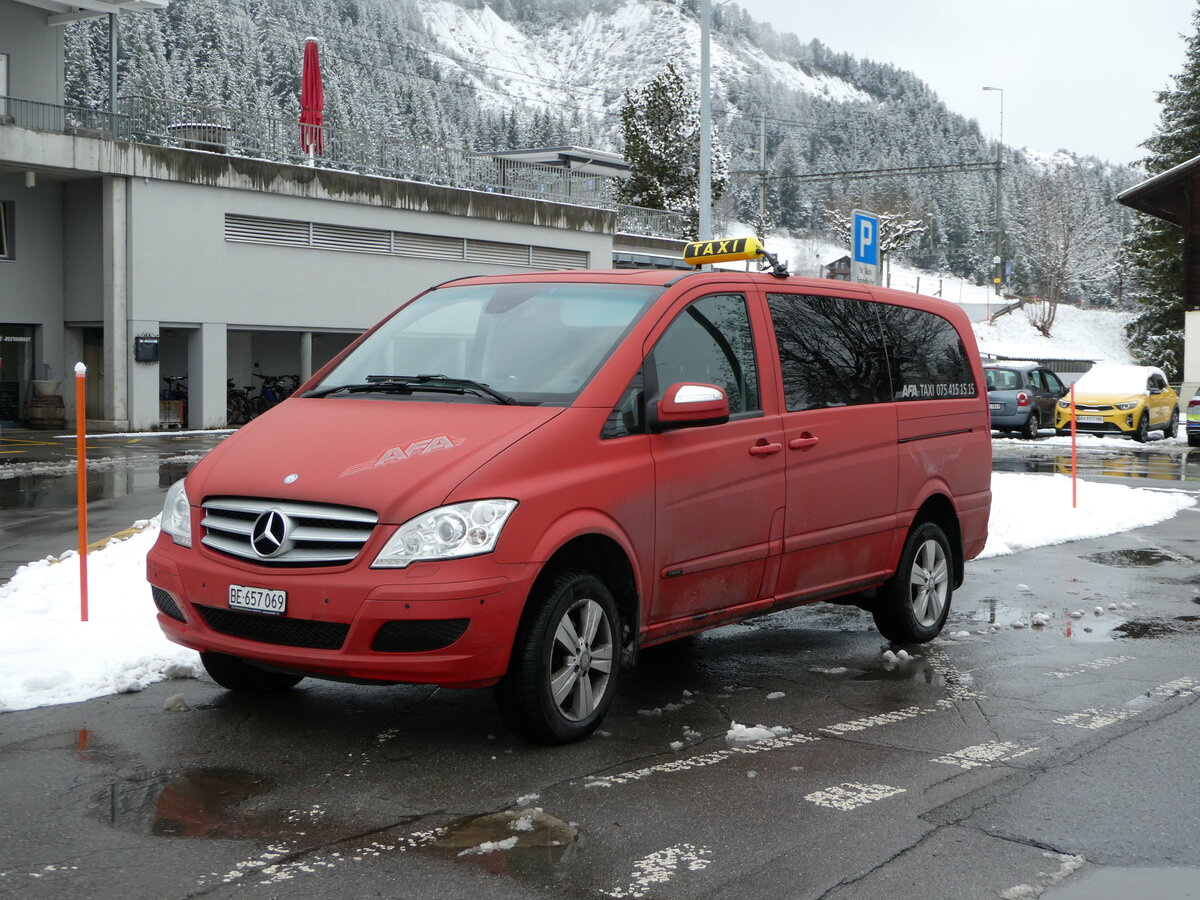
<point x="660" y="867"/>
<point x="850" y="795"/>
<point x="1094" y="718"/>
<point x="984" y="754"/>
<point x="1094" y="665"/>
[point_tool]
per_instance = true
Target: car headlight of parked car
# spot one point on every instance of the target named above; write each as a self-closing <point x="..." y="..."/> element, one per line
<point x="177" y="515"/>
<point x="448" y="532"/>
<point x="1064" y="404"/>
<point x="1130" y="405"/>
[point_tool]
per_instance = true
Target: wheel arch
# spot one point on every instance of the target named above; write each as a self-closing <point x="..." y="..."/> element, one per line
<point x="939" y="509"/>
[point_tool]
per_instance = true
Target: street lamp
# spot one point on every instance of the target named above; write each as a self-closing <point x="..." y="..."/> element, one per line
<point x="999" y="194"/>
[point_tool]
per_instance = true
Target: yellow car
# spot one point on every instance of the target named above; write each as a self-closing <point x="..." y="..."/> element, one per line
<point x="1123" y="401"/>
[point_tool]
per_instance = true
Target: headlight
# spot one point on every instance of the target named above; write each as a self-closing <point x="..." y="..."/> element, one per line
<point x="177" y="515"/>
<point x="1064" y="404"/>
<point x="1128" y="405"/>
<point x="448" y="532"/>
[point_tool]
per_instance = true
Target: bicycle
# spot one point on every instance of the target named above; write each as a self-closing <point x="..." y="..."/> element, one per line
<point x="274" y="389"/>
<point x="237" y="404"/>
<point x="176" y="391"/>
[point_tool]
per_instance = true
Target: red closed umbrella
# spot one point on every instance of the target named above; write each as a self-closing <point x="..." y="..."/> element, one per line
<point x="312" y="102"/>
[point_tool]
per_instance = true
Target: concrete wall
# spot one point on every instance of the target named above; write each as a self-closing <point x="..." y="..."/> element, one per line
<point x="31" y="284"/>
<point x="35" y="53"/>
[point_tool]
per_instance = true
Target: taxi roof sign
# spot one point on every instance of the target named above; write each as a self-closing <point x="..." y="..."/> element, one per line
<point x="697" y="253"/>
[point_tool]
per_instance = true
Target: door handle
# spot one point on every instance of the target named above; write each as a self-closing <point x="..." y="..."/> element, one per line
<point x="765" y="449"/>
<point x="803" y="442"/>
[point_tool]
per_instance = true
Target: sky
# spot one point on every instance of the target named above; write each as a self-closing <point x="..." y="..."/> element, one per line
<point x="1079" y="75"/>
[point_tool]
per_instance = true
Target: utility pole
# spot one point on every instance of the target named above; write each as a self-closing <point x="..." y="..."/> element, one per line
<point x="705" y="186"/>
<point x="762" y="167"/>
<point x="998" y="259"/>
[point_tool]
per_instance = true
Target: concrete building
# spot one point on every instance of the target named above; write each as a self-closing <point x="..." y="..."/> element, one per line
<point x="152" y="250"/>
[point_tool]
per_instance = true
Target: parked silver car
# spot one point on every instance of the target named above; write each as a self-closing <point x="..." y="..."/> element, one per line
<point x="1021" y="396"/>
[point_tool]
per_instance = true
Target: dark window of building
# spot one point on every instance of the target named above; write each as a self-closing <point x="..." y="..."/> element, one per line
<point x="710" y="342"/>
<point x="6" y="230"/>
<point x="831" y="351"/>
<point x="928" y="359"/>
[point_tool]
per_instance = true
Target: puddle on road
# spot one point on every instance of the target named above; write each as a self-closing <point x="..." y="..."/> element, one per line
<point x="1130" y="559"/>
<point x="199" y="803"/>
<point x="1087" y="627"/>
<point x="522" y="842"/>
<point x="1154" y="628"/>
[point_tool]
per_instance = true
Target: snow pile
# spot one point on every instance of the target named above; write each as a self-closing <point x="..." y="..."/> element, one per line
<point x="746" y="734"/>
<point x="1077" y="334"/>
<point x="490" y="847"/>
<point x="48" y="656"/>
<point x="1101" y="509"/>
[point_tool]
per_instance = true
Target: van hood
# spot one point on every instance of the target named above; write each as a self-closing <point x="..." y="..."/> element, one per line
<point x="396" y="457"/>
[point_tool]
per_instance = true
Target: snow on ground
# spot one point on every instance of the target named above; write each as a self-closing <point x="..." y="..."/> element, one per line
<point x="48" y="656"/>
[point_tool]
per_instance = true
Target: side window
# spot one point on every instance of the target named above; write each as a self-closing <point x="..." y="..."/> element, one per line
<point x="710" y="342"/>
<point x="831" y="351"/>
<point x="928" y="359"/>
<point x="1157" y="383"/>
<point x="1035" y="378"/>
<point x="1053" y="384"/>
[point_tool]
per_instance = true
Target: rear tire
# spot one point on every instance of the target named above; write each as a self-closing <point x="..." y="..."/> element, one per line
<point x="1172" y="426"/>
<point x="1032" y="424"/>
<point x="235" y="674"/>
<point x="913" y="605"/>
<point x="562" y="677"/>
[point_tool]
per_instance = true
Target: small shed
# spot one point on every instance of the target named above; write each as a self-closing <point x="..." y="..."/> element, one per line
<point x="839" y="269"/>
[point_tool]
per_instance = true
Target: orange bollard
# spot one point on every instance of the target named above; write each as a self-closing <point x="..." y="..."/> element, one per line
<point x="81" y="482"/>
<point x="1074" y="458"/>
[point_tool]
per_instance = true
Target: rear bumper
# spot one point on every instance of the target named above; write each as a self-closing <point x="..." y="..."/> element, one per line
<point x="332" y="624"/>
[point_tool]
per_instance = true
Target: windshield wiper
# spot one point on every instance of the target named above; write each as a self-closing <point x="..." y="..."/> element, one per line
<point x="409" y="384"/>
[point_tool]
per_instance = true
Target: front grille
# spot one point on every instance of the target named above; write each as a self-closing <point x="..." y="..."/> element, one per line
<point x="312" y="534"/>
<point x="1083" y="407"/>
<point x="166" y="604"/>
<point x="418" y="635"/>
<point x="275" y="629"/>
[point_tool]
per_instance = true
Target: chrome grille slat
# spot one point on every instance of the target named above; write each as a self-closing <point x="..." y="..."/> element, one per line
<point x="319" y="534"/>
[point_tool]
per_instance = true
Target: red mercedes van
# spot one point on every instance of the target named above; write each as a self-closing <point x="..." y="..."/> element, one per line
<point x="518" y="481"/>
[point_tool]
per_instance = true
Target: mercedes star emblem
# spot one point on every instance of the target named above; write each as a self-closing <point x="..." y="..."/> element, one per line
<point x="269" y="533"/>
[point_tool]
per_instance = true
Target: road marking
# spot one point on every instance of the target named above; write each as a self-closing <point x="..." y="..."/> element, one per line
<point x="959" y="685"/>
<point x="850" y="795"/>
<point x="660" y="867"/>
<point x="1094" y="665"/>
<point x="1094" y="718"/>
<point x="701" y="761"/>
<point x="979" y="755"/>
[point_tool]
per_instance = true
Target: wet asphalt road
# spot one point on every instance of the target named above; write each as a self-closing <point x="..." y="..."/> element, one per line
<point x="1005" y="761"/>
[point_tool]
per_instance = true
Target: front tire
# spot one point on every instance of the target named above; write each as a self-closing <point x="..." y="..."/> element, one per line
<point x="1142" y="434"/>
<point x="562" y="677"/>
<point x="235" y="674"/>
<point x="913" y="605"/>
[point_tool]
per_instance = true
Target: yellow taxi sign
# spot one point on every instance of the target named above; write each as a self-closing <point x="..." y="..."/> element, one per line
<point x="697" y="253"/>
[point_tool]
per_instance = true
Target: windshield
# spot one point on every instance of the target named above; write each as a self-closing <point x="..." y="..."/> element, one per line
<point x="1114" y="380"/>
<point x="536" y="342"/>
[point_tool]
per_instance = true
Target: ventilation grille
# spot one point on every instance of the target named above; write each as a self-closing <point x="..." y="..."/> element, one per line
<point x="166" y="604"/>
<point x="308" y="534"/>
<point x="418" y="636"/>
<point x="348" y="239"/>
<point x="275" y="629"/>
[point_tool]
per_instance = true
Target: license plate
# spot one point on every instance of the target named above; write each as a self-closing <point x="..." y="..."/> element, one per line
<point x="996" y="405"/>
<point x="1091" y="420"/>
<point x="257" y="599"/>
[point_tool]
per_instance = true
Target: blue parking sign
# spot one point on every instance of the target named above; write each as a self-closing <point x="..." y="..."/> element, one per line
<point x="866" y="238"/>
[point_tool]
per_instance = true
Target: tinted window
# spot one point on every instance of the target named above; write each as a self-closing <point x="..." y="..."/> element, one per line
<point x="1002" y="379"/>
<point x="928" y="359"/>
<point x="710" y="342"/>
<point x="831" y="351"/>
<point x="1035" y="378"/>
<point x="1053" y="383"/>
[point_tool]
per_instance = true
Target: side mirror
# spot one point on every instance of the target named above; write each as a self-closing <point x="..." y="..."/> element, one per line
<point x="685" y="405"/>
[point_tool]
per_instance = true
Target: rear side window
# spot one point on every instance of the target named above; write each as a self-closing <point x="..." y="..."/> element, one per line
<point x="831" y="351"/>
<point x="1002" y="379"/>
<point x="1035" y="378"/>
<point x="928" y="359"/>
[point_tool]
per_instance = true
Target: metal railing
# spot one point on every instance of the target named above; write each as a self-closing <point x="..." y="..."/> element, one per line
<point x="173" y="123"/>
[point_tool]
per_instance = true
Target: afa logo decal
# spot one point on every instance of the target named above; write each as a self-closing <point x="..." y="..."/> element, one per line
<point x="418" y="447"/>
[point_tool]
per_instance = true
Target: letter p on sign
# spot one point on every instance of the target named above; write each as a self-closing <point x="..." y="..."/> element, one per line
<point x="866" y="231"/>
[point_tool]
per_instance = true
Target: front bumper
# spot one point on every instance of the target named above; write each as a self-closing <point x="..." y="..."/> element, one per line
<point x="352" y="623"/>
<point x="1119" y="423"/>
